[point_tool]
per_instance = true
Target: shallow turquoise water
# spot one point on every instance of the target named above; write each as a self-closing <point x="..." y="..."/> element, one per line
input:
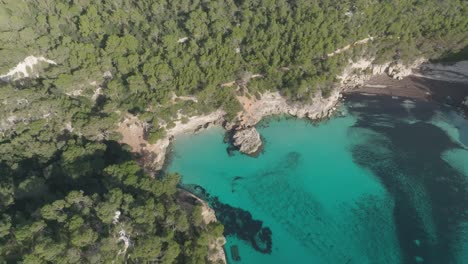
<point x="344" y="191"/>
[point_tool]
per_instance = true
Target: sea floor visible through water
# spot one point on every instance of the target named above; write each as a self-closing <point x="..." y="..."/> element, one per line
<point x="386" y="183"/>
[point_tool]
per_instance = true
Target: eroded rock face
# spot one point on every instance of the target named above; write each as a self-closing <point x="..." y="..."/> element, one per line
<point x="246" y="137"/>
<point x="399" y="71"/>
<point x="395" y="69"/>
<point x="248" y="141"/>
<point x="272" y="103"/>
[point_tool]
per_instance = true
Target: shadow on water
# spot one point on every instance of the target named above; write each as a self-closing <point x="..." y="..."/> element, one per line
<point x="431" y="197"/>
<point x="237" y="222"/>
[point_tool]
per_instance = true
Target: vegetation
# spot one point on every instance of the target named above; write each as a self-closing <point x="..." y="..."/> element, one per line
<point x="91" y="203"/>
<point x="63" y="177"/>
<point x="139" y="53"/>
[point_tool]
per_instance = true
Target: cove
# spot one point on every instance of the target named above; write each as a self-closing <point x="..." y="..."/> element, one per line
<point x="386" y="183"/>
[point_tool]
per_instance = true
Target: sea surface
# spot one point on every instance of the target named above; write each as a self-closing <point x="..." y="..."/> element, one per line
<point x="386" y="182"/>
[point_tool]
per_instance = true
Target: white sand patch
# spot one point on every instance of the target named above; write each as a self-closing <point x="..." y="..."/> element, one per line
<point x="25" y="68"/>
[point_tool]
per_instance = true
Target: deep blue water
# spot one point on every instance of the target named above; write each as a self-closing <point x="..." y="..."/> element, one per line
<point x="387" y="183"/>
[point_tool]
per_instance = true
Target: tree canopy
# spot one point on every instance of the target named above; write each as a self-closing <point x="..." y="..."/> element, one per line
<point x="70" y="194"/>
<point x="91" y="203"/>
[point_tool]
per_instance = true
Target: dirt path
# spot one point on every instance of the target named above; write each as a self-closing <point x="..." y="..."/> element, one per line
<point x="347" y="47"/>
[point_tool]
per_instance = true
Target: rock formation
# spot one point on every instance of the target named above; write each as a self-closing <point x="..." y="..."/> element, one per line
<point x="396" y="70"/>
<point x="272" y="103"/>
<point x="248" y="141"/>
<point x="246" y="137"/>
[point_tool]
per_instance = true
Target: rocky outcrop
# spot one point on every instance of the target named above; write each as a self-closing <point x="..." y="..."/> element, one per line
<point x="248" y="141"/>
<point x="246" y="137"/>
<point x="357" y="73"/>
<point x="272" y="103"/>
<point x="398" y="70"/>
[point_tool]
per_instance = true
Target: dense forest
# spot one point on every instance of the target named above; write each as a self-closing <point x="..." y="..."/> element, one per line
<point x="91" y="203"/>
<point x="63" y="177"/>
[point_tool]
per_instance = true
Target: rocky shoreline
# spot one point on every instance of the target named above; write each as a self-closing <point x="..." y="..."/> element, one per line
<point x="255" y="108"/>
<point x="245" y="137"/>
<point x="358" y="77"/>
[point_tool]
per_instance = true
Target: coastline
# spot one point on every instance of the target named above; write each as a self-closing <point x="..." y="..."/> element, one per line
<point x="155" y="156"/>
<point x="445" y="84"/>
<point x="133" y="130"/>
<point x="392" y="79"/>
<point x="216" y="247"/>
<point x="254" y="109"/>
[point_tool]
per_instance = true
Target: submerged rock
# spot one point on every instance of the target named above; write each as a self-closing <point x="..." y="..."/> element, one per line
<point x="466" y="102"/>
<point x="418" y="259"/>
<point x="248" y="141"/>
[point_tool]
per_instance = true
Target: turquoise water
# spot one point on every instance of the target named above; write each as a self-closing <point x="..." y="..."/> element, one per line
<point x="364" y="188"/>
